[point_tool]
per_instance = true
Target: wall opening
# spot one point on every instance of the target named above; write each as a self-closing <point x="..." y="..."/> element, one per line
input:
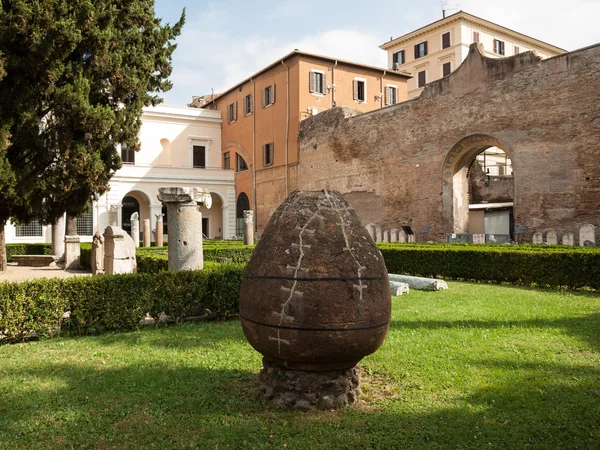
<point x="478" y="189"/>
<point x="242" y="204"/>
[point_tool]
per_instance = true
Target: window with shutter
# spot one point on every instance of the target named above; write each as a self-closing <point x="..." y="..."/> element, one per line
<point x="446" y="69"/>
<point x="498" y="47"/>
<point x="312" y="81"/>
<point x="476" y="37"/>
<point x="355" y="90"/>
<point x="391" y="95"/>
<point x="268" y="154"/>
<point x="516" y="50"/>
<point x="398" y="57"/>
<point x="127" y="154"/>
<point x="360" y="90"/>
<point x="422" y="78"/>
<point x="446" y="40"/>
<point x="268" y="95"/>
<point x="248" y="104"/>
<point x="421" y="50"/>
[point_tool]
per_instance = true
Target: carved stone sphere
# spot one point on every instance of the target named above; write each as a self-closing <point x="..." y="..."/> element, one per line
<point x="315" y="294"/>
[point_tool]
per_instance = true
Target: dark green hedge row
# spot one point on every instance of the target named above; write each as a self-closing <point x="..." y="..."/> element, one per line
<point x="116" y="302"/>
<point x="27" y="249"/>
<point x="567" y="266"/>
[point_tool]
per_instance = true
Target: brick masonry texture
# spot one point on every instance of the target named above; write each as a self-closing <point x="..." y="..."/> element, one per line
<point x="406" y="164"/>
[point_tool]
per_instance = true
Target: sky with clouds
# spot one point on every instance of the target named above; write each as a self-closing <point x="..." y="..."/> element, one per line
<point x="226" y="41"/>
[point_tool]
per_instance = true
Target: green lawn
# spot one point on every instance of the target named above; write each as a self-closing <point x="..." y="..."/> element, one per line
<point x="479" y="366"/>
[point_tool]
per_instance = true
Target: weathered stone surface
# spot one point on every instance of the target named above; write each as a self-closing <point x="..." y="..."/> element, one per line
<point x="185" y="225"/>
<point x="135" y="228"/>
<point x="72" y="253"/>
<point x="394" y="235"/>
<point x="551" y="238"/>
<point x="420" y="284"/>
<point x="587" y="235"/>
<point x="315" y="294"/>
<point x="404" y="158"/>
<point x="119" y="251"/>
<point x="159" y="230"/>
<point x="568" y="239"/>
<point x="386" y="236"/>
<point x="97" y="256"/>
<point x="402" y="236"/>
<point x="538" y="238"/>
<point x="399" y="288"/>
<point x="147" y="233"/>
<point x="58" y="239"/>
<point x="113" y="216"/>
<point x="248" y="227"/>
<point x="378" y="234"/>
<point x="309" y="390"/>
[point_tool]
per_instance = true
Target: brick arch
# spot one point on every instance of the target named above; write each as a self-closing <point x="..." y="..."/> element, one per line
<point x="455" y="193"/>
<point x="240" y="149"/>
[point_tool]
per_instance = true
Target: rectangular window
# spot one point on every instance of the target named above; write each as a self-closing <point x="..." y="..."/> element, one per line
<point x="391" y="95"/>
<point x="30" y="229"/>
<point x="360" y="90"/>
<point x="248" y="104"/>
<point x="85" y="224"/>
<point x="498" y="47"/>
<point x="422" y="78"/>
<point x="227" y="161"/>
<point x="268" y="95"/>
<point x="127" y="154"/>
<point x="398" y="57"/>
<point x="268" y="154"/>
<point x="446" y="69"/>
<point x="241" y="165"/>
<point x="476" y="37"/>
<point x="421" y="50"/>
<point x="199" y="156"/>
<point x="232" y="112"/>
<point x="317" y="82"/>
<point x="446" y="40"/>
<point x="516" y="50"/>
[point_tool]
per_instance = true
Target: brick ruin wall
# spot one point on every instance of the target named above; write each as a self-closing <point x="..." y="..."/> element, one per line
<point x="396" y="165"/>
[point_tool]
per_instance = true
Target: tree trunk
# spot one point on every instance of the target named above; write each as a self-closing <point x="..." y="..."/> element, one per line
<point x="3" y="264"/>
<point x="71" y="229"/>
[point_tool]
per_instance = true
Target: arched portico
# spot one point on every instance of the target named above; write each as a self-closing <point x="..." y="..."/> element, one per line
<point x="455" y="183"/>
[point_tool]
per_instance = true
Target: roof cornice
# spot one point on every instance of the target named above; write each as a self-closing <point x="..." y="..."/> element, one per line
<point x="466" y="17"/>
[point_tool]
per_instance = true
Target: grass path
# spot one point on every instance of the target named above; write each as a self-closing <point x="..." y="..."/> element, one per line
<point x="478" y="366"/>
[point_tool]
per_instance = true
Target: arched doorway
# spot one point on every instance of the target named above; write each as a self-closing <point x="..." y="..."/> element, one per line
<point x="242" y="204"/>
<point x="478" y="187"/>
<point x="129" y="206"/>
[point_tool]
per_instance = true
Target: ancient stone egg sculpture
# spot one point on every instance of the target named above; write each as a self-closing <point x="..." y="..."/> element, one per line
<point x="315" y="300"/>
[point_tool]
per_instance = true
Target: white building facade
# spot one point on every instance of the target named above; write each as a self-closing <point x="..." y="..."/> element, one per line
<point x="180" y="146"/>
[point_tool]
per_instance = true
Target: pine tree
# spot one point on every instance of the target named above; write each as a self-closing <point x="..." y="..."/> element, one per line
<point x="77" y="74"/>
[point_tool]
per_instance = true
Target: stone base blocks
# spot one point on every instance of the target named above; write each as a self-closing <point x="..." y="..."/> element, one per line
<point x="299" y="389"/>
<point x="185" y="225"/>
<point x="72" y="253"/>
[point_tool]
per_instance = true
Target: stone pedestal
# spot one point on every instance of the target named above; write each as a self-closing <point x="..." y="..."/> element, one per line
<point x="159" y="230"/>
<point x="309" y="390"/>
<point x="72" y="253"/>
<point x="185" y="226"/>
<point x="248" y="228"/>
<point x="135" y="229"/>
<point x="378" y="234"/>
<point x="147" y="233"/>
<point x="58" y="239"/>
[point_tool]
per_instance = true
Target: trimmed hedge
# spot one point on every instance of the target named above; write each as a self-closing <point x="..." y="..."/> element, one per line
<point x="27" y="249"/>
<point x="118" y="302"/>
<point x="572" y="267"/>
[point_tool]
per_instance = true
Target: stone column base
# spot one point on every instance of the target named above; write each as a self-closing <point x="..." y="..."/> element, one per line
<point x="309" y="390"/>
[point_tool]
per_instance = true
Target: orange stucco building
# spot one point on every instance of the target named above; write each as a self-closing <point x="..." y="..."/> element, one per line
<point x="261" y="118"/>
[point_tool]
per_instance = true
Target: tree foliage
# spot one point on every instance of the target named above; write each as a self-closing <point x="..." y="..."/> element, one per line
<point x="76" y="75"/>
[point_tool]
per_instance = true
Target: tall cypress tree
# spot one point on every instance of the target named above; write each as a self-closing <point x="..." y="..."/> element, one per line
<point x="77" y="74"/>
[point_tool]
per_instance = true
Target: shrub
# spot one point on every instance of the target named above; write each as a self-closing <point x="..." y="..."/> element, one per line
<point x="27" y="249"/>
<point x="115" y="302"/>
<point x="573" y="267"/>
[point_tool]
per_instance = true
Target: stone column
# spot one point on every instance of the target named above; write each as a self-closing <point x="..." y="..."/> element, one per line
<point x="185" y="225"/>
<point x="72" y="245"/>
<point x="248" y="227"/>
<point x="158" y="233"/>
<point x="378" y="234"/>
<point x="147" y="233"/>
<point x="58" y="239"/>
<point x="386" y="236"/>
<point x="135" y="229"/>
